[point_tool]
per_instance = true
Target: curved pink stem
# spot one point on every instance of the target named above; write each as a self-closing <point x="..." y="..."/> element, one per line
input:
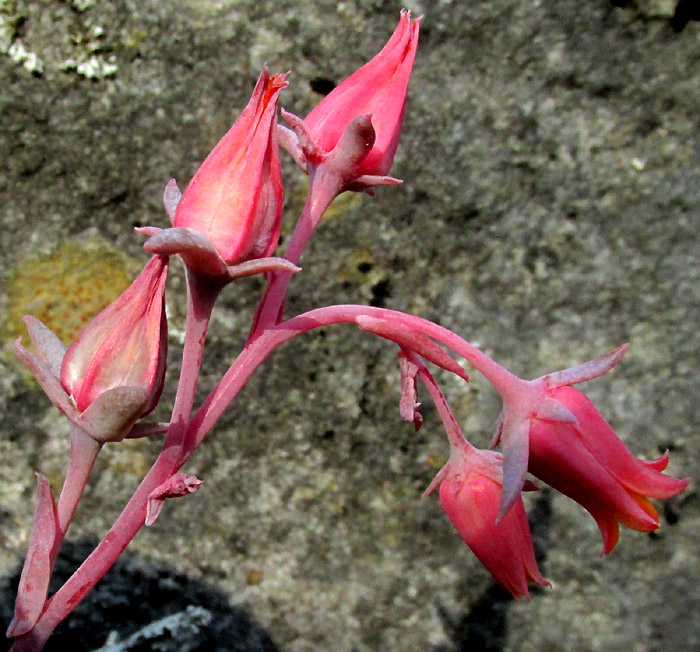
<point x="257" y="351"/>
<point x="324" y="187"/>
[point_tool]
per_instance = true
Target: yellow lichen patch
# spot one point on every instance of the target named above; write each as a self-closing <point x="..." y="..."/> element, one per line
<point x="253" y="576"/>
<point x="64" y="289"/>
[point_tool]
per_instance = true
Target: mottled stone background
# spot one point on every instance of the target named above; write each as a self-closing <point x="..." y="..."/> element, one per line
<point x="550" y="211"/>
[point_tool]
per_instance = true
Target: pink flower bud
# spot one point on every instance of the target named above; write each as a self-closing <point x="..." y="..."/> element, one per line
<point x="470" y="494"/>
<point x="123" y="348"/>
<point x="377" y="90"/>
<point x="235" y="197"/>
<point x="586" y="461"/>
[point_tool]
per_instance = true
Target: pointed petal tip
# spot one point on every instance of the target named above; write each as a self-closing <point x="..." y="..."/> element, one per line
<point x="586" y="371"/>
<point x="682" y="485"/>
<point x="660" y="463"/>
<point x="149" y="231"/>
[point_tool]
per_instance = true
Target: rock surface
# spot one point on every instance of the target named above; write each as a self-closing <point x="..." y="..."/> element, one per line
<point x="550" y="211"/>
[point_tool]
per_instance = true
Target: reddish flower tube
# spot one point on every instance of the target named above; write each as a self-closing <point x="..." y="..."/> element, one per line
<point x="470" y="494"/>
<point x="123" y="346"/>
<point x="587" y="461"/>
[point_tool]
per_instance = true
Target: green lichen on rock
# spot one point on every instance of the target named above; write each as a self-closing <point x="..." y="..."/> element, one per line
<point x="65" y="288"/>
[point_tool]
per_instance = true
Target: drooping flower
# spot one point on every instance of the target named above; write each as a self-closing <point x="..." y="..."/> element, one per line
<point x="231" y="211"/>
<point x="356" y="128"/>
<point x="116" y="367"/>
<point x="470" y="492"/>
<point x="555" y="432"/>
<point x="585" y="460"/>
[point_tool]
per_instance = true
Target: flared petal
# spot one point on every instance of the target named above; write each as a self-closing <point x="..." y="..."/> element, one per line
<point x="470" y="499"/>
<point x="559" y="458"/>
<point x="602" y="442"/>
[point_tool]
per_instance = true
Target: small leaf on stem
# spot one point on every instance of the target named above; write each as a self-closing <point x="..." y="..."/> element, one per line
<point x="179" y="484"/>
<point x="36" y="573"/>
<point x="171" y="198"/>
<point x="409" y="339"/>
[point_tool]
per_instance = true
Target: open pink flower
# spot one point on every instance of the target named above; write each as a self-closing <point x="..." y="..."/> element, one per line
<point x="470" y="492"/>
<point x="585" y="460"/>
<point x="118" y="361"/>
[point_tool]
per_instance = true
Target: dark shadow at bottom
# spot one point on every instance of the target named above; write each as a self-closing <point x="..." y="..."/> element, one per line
<point x="144" y="607"/>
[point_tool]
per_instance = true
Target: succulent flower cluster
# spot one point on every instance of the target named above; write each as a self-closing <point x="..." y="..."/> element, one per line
<point x="226" y="225"/>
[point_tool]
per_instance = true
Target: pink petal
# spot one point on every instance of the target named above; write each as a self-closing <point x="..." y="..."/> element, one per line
<point x="559" y="458"/>
<point x="600" y="439"/>
<point x="235" y="197"/>
<point x="381" y="83"/>
<point x="660" y="463"/>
